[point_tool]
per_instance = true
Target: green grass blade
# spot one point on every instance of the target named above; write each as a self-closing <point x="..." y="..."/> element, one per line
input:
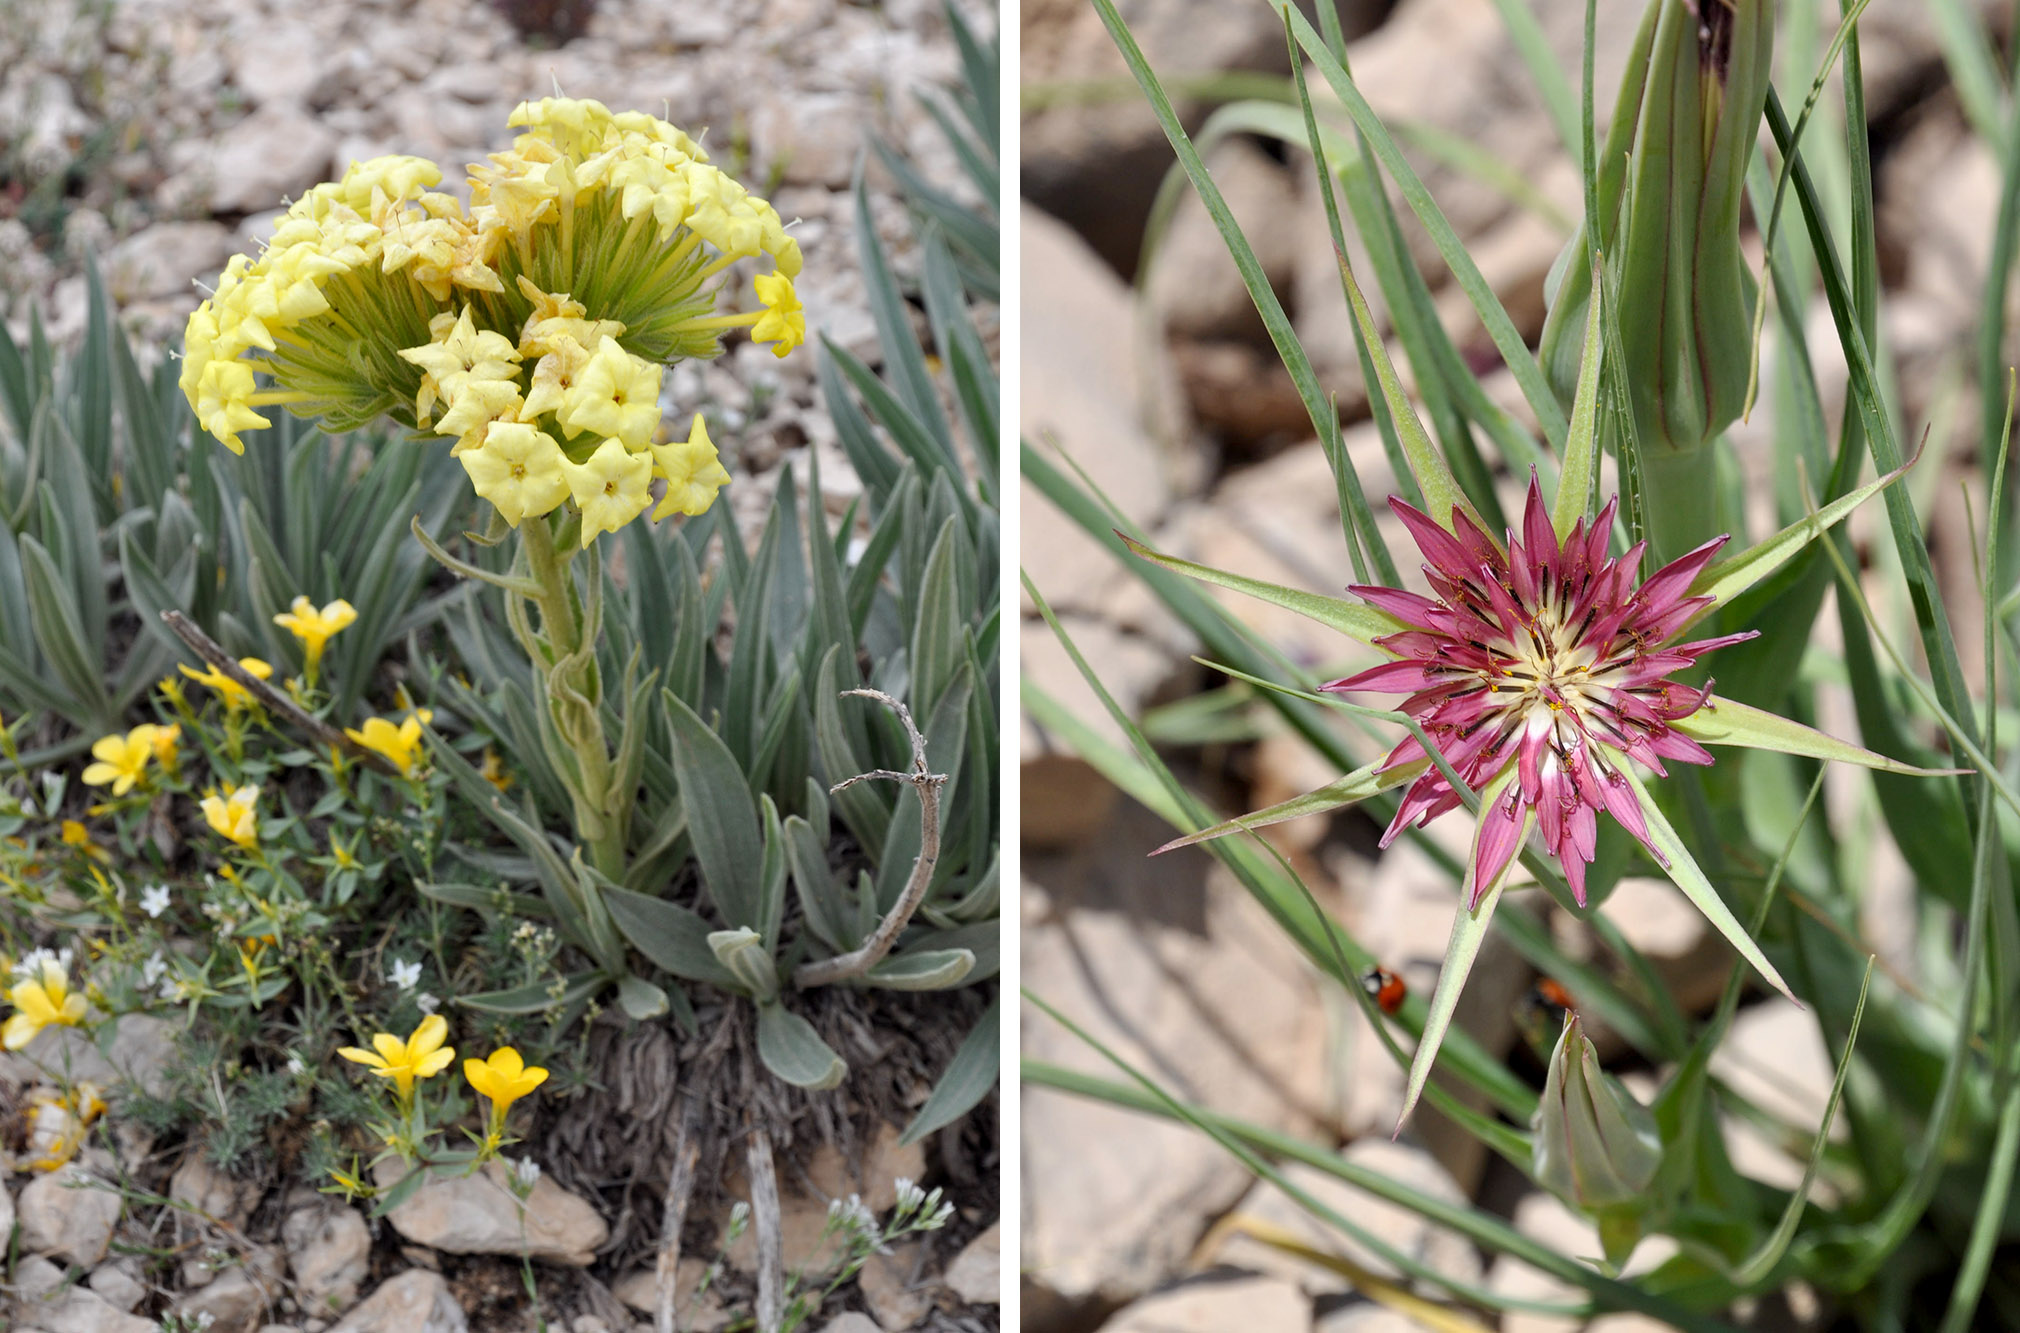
<point x="1683" y="870"/>
<point x="1507" y="339"/>
<point x="1355" y="515"/>
<point x="1762" y="1262"/>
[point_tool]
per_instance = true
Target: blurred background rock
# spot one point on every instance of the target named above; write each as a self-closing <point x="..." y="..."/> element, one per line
<point x="1158" y="379"/>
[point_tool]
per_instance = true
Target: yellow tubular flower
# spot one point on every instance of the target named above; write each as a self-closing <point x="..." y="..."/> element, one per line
<point x="421" y="1055"/>
<point x="783" y="321"/>
<point x="518" y="469"/>
<point x="692" y="472"/>
<point x="401" y="744"/>
<point x="41" y="1001"/>
<point x="235" y="816"/>
<point x="314" y="628"/>
<point x="504" y="1078"/>
<point x="235" y="695"/>
<point x="223" y="403"/>
<point x="616" y="394"/>
<point x="122" y="760"/>
<point x="612" y="488"/>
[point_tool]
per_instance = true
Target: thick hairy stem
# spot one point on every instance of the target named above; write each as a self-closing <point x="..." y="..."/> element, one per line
<point x="827" y="971"/>
<point x="561" y="628"/>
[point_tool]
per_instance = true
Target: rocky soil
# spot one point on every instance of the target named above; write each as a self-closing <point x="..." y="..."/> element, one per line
<point x="1157" y="378"/>
<point x="158" y="137"/>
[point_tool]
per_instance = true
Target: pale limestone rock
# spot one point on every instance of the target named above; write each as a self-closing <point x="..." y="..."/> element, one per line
<point x="698" y="1314"/>
<point x="1212" y="1303"/>
<point x="329" y="1252"/>
<point x="69" y="1214"/>
<point x="478" y="1215"/>
<point x="211" y="1193"/>
<point x="1194" y="285"/>
<point x="1408" y="1163"/>
<point x="118" y="1283"/>
<point x="276" y="154"/>
<point x="1137" y="950"/>
<point x="898" y="1294"/>
<point x="976" y="1274"/>
<point x="417" y="1301"/>
<point x="166" y="259"/>
<point x="811" y="138"/>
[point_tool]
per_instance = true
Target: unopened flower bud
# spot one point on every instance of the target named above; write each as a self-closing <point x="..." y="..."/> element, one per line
<point x="1596" y="1146"/>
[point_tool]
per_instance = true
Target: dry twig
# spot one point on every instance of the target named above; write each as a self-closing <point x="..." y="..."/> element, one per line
<point x="270" y="698"/>
<point x="827" y="971"/>
<point x="679" y="1186"/>
<point x="765" y="1221"/>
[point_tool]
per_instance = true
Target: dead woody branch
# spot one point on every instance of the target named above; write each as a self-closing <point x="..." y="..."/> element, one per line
<point x="827" y="971"/>
<point x="272" y="699"/>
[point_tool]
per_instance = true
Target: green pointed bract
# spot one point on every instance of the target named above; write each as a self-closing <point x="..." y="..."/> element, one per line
<point x="1352" y="619"/>
<point x="1356" y="786"/>
<point x="1726" y="722"/>
<point x="1469" y="931"/>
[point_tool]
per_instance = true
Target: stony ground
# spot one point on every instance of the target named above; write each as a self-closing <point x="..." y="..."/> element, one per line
<point x="161" y="136"/>
<point x="1187" y="418"/>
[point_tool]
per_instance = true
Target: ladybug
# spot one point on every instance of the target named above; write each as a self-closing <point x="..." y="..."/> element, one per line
<point x="1386" y="989"/>
<point x="1551" y="991"/>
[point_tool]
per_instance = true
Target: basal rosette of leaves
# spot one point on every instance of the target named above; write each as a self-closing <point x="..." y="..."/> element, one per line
<point x="531" y="329"/>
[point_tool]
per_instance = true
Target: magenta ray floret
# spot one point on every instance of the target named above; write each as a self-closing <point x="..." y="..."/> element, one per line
<point x="1545" y="656"/>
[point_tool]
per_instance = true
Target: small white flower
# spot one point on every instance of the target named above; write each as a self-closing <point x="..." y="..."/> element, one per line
<point x="154" y="899"/>
<point x="404" y="975"/>
<point x="32" y="962"/>
<point x="427" y="1003"/>
<point x="295" y="1065"/>
<point x="909" y="1195"/>
<point x="526" y="1171"/>
<point x="154" y="969"/>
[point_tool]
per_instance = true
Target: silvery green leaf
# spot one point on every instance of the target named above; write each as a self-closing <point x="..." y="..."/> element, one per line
<point x="743" y="953"/>
<point x="791" y="1049"/>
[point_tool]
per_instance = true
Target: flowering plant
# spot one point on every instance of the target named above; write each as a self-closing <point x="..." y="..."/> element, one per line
<point x="1599" y="721"/>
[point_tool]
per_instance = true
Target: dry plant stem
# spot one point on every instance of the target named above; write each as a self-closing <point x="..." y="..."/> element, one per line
<point x="764" y="1220"/>
<point x="270" y="698"/>
<point x="679" y="1186"/>
<point x="827" y="971"/>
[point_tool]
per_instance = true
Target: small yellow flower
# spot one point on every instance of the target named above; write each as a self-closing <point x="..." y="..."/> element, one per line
<point x="234" y="816"/>
<point x="692" y="471"/>
<point x="612" y="488"/>
<point x="122" y="760"/>
<point x="315" y="628"/>
<point x="78" y="836"/>
<point x="783" y="321"/>
<point x="615" y="394"/>
<point x="493" y="770"/>
<point x="235" y="695"/>
<point x="504" y="1078"/>
<point x="41" y="1001"/>
<point x="58" y="1124"/>
<point x="168" y="747"/>
<point x="345" y="857"/>
<point x="421" y="1055"/>
<point x="401" y="744"/>
<point x="518" y="469"/>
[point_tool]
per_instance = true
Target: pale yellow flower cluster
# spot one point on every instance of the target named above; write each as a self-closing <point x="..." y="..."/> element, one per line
<point x="531" y="329"/>
<point x="584" y="388"/>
